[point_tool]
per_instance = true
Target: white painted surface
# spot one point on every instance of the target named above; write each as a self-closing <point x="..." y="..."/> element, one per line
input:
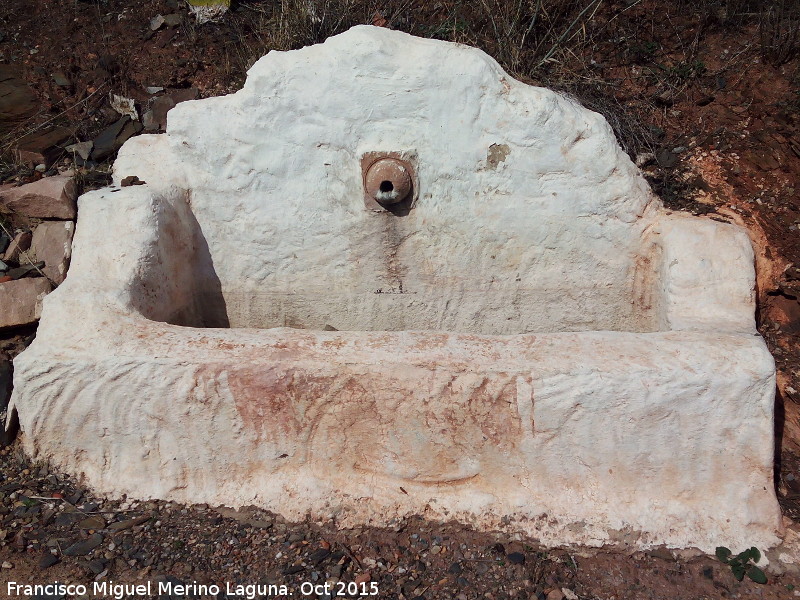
<point x="253" y="213"/>
<point x="542" y="237"/>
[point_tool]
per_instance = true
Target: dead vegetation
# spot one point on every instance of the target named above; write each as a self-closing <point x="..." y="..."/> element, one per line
<point x="562" y="44"/>
<point x="779" y="28"/>
<point x="557" y="43"/>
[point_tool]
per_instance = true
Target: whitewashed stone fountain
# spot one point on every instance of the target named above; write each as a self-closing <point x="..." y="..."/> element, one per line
<point x="514" y="334"/>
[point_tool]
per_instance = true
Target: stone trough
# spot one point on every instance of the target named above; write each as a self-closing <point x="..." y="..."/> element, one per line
<point x="385" y="279"/>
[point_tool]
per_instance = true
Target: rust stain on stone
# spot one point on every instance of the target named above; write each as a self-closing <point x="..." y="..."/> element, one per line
<point x="644" y="280"/>
<point x="497" y="153"/>
<point x="274" y="401"/>
<point x="437" y="429"/>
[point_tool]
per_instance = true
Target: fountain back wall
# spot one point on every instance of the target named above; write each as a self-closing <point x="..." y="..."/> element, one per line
<point x="526" y="216"/>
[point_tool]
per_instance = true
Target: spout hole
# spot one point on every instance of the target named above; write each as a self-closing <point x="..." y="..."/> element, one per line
<point x="386" y="186"/>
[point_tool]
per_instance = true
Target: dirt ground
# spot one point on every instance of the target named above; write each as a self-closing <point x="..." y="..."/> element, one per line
<point x="90" y="541"/>
<point x="700" y="97"/>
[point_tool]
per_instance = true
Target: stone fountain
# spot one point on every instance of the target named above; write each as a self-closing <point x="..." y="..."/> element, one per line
<point x="385" y="279"/>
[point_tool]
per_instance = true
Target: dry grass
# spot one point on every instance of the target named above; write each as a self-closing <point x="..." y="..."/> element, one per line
<point x="549" y="42"/>
<point x="525" y="35"/>
<point x="780" y="31"/>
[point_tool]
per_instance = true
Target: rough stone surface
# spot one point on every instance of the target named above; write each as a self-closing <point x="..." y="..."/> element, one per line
<point x="52" y="243"/>
<point x="156" y="118"/>
<point x="48" y="198"/>
<point x="5" y="382"/>
<point x="84" y="547"/>
<point x="17" y="100"/>
<point x="20" y="243"/>
<point x="535" y="346"/>
<point x="24" y="269"/>
<point x="40" y="147"/>
<point x="82" y="149"/>
<point x="113" y="136"/>
<point x="22" y="301"/>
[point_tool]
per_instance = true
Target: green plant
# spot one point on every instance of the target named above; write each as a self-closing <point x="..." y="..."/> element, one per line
<point x="740" y="564"/>
<point x="642" y="52"/>
<point x="455" y="27"/>
<point x="688" y="69"/>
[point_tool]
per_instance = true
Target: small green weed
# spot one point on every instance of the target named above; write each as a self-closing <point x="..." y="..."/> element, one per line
<point x="740" y="564"/>
<point x="643" y="51"/>
<point x="688" y="69"/>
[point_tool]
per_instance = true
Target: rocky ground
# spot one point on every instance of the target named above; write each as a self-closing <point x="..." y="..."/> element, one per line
<point x="705" y="96"/>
